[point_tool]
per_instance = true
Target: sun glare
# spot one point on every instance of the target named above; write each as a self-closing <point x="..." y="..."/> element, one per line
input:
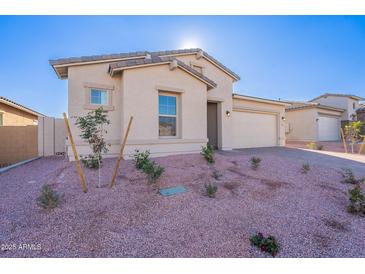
<point x="189" y="44"/>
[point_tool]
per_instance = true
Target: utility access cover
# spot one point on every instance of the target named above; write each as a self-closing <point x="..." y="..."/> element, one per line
<point x="172" y="190"/>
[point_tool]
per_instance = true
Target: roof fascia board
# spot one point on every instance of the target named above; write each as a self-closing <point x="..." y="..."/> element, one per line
<point x="14" y="105"/>
<point x="267" y="101"/>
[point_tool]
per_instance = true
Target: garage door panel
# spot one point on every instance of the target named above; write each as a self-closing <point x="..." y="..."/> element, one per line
<point x="254" y="129"/>
<point x="328" y="128"/>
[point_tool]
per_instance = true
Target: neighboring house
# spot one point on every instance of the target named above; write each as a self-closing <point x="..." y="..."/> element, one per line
<point x="348" y="102"/>
<point x="313" y="122"/>
<point x="360" y="112"/>
<point x="14" y="114"/>
<point x="18" y="132"/>
<point x="179" y="99"/>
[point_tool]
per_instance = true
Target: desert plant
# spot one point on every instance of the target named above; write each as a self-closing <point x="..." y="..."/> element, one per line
<point x="349" y="177"/>
<point x="92" y="130"/>
<point x="48" y="198"/>
<point x="269" y="244"/>
<point x="320" y="147"/>
<point x="305" y="168"/>
<point x="312" y="145"/>
<point x="211" y="190"/>
<point x="91" y="161"/>
<point x="352" y="132"/>
<point x="153" y="171"/>
<point x="208" y="153"/>
<point x="141" y="158"/>
<point x="255" y="162"/>
<point x="357" y="201"/>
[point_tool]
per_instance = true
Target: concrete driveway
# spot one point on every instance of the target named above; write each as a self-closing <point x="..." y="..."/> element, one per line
<point x="325" y="158"/>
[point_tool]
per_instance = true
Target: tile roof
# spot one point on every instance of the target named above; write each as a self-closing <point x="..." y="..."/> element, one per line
<point x="158" y="60"/>
<point x="304" y="105"/>
<point x="338" y="95"/>
<point x="19" y="106"/>
<point x="138" y="54"/>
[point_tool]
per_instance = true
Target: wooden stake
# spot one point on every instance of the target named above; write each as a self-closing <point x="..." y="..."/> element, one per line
<point x="343" y="139"/>
<point x="362" y="145"/>
<point x="121" y="152"/>
<point x="78" y="165"/>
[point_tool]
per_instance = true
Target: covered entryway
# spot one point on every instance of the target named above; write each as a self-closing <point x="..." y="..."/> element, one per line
<point x="328" y="128"/>
<point x="212" y="124"/>
<point x="254" y="129"/>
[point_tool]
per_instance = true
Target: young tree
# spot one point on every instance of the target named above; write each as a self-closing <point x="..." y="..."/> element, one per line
<point x="92" y="128"/>
<point x="352" y="133"/>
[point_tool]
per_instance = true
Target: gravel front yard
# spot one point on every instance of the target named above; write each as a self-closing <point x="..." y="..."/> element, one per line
<point x="305" y="212"/>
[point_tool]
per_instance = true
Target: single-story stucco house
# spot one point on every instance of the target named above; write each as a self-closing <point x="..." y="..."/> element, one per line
<point x="321" y="118"/>
<point x="180" y="100"/>
<point x="18" y="132"/>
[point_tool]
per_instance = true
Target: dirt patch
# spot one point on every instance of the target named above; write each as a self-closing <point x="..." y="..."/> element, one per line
<point x="332" y="223"/>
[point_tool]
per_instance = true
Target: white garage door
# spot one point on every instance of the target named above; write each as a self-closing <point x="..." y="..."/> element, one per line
<point x="328" y="128"/>
<point x="254" y="130"/>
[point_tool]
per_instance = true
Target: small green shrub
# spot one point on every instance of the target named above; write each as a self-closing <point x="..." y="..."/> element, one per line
<point x="305" y="168"/>
<point x="49" y="198"/>
<point x="153" y="171"/>
<point x="349" y="177"/>
<point x="255" y="162"/>
<point x="269" y="244"/>
<point x="357" y="201"/>
<point x="91" y="161"/>
<point x="208" y="153"/>
<point x="141" y="158"/>
<point x="211" y="190"/>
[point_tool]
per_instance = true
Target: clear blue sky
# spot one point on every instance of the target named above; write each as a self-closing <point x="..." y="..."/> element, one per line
<point x="288" y="57"/>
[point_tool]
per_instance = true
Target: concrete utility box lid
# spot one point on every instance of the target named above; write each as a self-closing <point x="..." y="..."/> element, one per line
<point x="172" y="190"/>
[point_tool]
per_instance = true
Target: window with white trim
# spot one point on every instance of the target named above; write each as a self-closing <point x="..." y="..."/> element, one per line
<point x="98" y="97"/>
<point x="167" y="115"/>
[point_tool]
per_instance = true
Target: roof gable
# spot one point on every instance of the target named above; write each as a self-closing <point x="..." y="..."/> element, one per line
<point x="156" y="60"/>
<point x="19" y="106"/>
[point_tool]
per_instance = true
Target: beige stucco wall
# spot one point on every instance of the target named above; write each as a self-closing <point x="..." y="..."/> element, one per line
<point x="264" y="107"/>
<point x="340" y="102"/>
<point x="221" y="94"/>
<point x="16" y="117"/>
<point x="302" y="124"/>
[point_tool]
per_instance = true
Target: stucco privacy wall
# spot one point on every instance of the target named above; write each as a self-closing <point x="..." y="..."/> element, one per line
<point x="135" y="92"/>
<point x="264" y="108"/>
<point x="51" y="136"/>
<point x="222" y="94"/>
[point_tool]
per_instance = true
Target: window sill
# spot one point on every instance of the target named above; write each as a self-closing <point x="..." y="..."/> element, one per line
<point x="93" y="107"/>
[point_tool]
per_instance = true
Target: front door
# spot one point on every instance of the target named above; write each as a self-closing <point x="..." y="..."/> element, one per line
<point x="212" y="124"/>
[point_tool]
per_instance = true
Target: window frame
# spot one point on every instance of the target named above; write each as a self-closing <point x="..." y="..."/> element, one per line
<point x="109" y="96"/>
<point x="176" y="116"/>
